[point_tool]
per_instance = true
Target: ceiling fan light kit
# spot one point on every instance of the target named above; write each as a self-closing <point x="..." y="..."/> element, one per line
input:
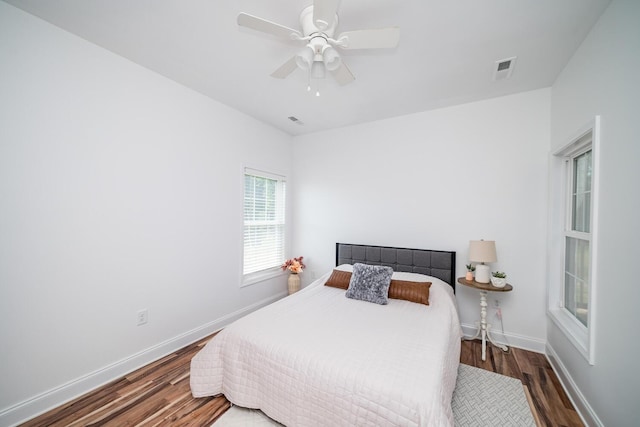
<point x="319" y="22"/>
<point x="317" y="70"/>
<point x="305" y="57"/>
<point x="331" y="58"/>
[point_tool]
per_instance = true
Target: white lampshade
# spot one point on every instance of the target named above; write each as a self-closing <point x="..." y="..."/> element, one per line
<point x="482" y="251"/>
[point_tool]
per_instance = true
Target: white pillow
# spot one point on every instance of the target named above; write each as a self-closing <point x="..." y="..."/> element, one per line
<point x="410" y="277"/>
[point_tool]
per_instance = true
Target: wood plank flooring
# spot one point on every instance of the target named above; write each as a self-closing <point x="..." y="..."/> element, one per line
<point x="159" y="394"/>
<point x="548" y="400"/>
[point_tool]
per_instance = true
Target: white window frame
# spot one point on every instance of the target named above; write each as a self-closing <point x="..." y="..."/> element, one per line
<point x="581" y="336"/>
<point x="274" y="270"/>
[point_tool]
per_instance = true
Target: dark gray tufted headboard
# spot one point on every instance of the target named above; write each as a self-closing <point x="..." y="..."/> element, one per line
<point x="440" y="264"/>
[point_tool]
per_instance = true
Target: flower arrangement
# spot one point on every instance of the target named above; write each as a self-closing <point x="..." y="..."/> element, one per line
<point x="294" y="265"/>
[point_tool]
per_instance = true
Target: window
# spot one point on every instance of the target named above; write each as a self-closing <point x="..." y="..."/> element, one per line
<point x="264" y="225"/>
<point x="577" y="259"/>
<point x="572" y="255"/>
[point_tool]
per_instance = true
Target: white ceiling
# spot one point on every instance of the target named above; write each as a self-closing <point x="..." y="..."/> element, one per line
<point x="445" y="57"/>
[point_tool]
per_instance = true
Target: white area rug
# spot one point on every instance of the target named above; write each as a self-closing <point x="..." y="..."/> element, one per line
<point x="481" y="398"/>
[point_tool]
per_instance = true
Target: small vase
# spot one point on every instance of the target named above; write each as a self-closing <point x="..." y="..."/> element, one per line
<point x="469" y="276"/>
<point x="293" y="283"/>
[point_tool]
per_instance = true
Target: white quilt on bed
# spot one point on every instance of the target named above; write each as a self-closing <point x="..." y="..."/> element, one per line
<point x="318" y="358"/>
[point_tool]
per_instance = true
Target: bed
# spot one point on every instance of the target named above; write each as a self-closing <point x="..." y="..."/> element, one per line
<point x="318" y="358"/>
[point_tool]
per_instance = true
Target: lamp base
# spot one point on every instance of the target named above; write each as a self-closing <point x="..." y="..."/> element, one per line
<point x="483" y="273"/>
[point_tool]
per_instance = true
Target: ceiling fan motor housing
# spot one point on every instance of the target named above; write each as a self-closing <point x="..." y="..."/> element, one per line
<point x="318" y="50"/>
<point x="309" y="27"/>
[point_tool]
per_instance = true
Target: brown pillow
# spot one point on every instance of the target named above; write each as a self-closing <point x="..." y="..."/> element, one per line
<point x="410" y="291"/>
<point x="339" y="279"/>
<point x="399" y="289"/>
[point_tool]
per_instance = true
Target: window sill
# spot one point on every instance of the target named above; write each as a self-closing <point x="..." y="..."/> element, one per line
<point x="577" y="333"/>
<point x="260" y="276"/>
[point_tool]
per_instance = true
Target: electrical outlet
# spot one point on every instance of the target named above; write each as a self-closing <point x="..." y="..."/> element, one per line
<point x="143" y="317"/>
<point x="496" y="303"/>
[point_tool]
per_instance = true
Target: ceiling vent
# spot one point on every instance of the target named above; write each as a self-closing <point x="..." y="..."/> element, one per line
<point x="295" y="120"/>
<point x="503" y="68"/>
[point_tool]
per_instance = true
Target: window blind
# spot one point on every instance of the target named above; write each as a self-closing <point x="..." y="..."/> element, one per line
<point x="264" y="221"/>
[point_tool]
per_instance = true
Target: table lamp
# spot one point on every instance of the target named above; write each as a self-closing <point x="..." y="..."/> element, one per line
<point x="482" y="251"/>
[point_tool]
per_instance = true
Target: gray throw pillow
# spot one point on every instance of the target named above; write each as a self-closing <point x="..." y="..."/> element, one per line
<point x="370" y="283"/>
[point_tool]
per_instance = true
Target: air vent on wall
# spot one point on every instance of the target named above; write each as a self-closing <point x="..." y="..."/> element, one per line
<point x="295" y="120"/>
<point x="503" y="68"/>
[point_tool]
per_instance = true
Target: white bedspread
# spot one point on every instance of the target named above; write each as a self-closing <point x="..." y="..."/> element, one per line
<point x="318" y="358"/>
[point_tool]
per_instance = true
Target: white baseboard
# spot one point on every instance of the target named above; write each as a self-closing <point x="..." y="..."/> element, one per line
<point x="583" y="408"/>
<point x="64" y="393"/>
<point x="509" y="339"/>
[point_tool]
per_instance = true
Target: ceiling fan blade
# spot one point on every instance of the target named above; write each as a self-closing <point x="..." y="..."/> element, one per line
<point x="324" y="13"/>
<point x="343" y="75"/>
<point x="383" y="38"/>
<point x="259" y="24"/>
<point x="285" y="69"/>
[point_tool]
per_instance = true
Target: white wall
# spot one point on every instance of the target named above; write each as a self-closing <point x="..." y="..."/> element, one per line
<point x="119" y="190"/>
<point x="603" y="78"/>
<point x="436" y="180"/>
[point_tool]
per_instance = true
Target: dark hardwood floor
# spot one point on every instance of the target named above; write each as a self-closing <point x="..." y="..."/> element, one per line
<point x="549" y="402"/>
<point x="159" y="394"/>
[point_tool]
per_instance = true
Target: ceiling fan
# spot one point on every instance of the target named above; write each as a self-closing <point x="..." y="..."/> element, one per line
<point x="318" y="22"/>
